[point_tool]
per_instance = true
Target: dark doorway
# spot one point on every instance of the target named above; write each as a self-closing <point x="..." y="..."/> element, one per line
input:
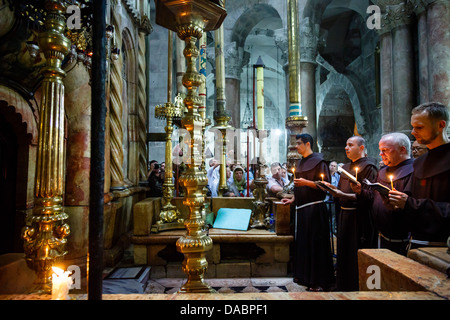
<point x="8" y="172"/>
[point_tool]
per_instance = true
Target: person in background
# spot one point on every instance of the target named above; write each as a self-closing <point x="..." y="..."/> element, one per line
<point x="238" y="186"/>
<point x="275" y="181"/>
<point x="418" y="149"/>
<point x="155" y="182"/>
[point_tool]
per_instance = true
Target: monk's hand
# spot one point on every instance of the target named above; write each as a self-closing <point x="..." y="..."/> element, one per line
<point x="299" y="182"/>
<point x="286" y="201"/>
<point x="335" y="192"/>
<point x="397" y="199"/>
<point x="356" y="187"/>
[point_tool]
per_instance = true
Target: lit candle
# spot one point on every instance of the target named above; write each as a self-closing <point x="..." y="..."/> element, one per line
<point x="61" y="283"/>
<point x="356" y="176"/>
<point x="392" y="182"/>
<point x="293" y="171"/>
<point x="321" y="176"/>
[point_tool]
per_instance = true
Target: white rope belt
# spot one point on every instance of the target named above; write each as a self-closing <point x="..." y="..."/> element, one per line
<point x="309" y="204"/>
<point x="343" y="208"/>
<point x="392" y="240"/>
<point x="428" y="243"/>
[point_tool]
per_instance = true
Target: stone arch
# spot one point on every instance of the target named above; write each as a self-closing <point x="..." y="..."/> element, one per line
<point x="338" y="109"/>
<point x="250" y="18"/>
<point x="27" y="112"/>
<point x="19" y="123"/>
<point x="340" y="80"/>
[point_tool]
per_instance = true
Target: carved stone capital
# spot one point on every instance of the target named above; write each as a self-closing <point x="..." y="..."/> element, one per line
<point x="145" y="25"/>
<point x="309" y="37"/>
<point x="420" y="6"/>
<point x="395" y="16"/>
<point x="233" y="60"/>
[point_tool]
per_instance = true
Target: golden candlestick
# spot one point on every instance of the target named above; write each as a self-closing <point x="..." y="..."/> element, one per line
<point x="190" y="19"/>
<point x="169" y="217"/>
<point x="45" y="238"/>
<point x="221" y="114"/>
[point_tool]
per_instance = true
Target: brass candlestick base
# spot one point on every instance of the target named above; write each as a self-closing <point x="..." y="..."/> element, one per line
<point x="260" y="205"/>
<point x="190" y="19"/>
<point x="295" y="125"/>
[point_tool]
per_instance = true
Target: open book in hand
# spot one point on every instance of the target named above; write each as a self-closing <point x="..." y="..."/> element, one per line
<point x="349" y="176"/>
<point x="322" y="186"/>
<point x="383" y="190"/>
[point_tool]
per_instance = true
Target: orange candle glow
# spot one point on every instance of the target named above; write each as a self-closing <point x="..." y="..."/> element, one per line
<point x="356" y="176"/>
<point x="293" y="171"/>
<point x="392" y="182"/>
<point x="321" y="176"/>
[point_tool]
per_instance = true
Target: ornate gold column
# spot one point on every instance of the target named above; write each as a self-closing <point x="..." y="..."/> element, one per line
<point x="189" y="19"/>
<point x="295" y="122"/>
<point x="45" y="239"/>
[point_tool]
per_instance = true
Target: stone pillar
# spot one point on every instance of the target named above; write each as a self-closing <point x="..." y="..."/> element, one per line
<point x="438" y="19"/>
<point x="386" y="83"/>
<point x="309" y="36"/>
<point x="420" y="11"/>
<point x="396" y="34"/>
<point x="78" y="154"/>
<point x="233" y="70"/>
<point x="181" y="66"/>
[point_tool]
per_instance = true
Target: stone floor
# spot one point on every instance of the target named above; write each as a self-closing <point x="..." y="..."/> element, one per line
<point x="172" y="285"/>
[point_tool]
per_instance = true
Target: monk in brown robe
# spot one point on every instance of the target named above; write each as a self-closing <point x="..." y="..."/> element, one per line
<point x="426" y="204"/>
<point x="397" y="172"/>
<point x="313" y="264"/>
<point x="355" y="228"/>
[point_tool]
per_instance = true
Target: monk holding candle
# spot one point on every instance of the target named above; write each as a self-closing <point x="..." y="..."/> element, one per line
<point x="395" y="174"/>
<point x="355" y="229"/>
<point x="313" y="264"/>
<point x="426" y="202"/>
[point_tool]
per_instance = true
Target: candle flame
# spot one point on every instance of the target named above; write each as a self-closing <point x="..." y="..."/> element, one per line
<point x="59" y="272"/>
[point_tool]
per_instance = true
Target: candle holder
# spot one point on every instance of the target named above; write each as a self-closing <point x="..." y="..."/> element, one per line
<point x="260" y="205"/>
<point x="190" y="19"/>
<point x="169" y="217"/>
<point x="295" y="125"/>
<point x="45" y="238"/>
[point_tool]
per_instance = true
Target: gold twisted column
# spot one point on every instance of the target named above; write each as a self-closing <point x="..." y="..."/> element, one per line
<point x="295" y="122"/>
<point x="116" y="108"/>
<point x="45" y="239"/>
<point x="189" y="19"/>
<point x="144" y="30"/>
